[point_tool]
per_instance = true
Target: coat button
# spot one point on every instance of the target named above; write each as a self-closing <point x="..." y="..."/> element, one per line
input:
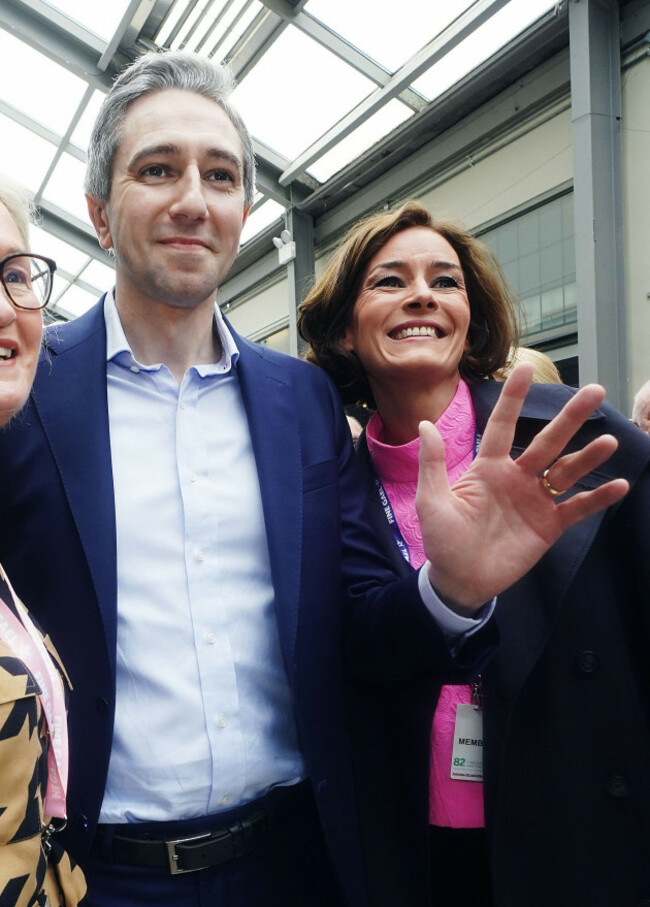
<point x="588" y="662"/>
<point x="101" y="705"/>
<point x="617" y="786"/>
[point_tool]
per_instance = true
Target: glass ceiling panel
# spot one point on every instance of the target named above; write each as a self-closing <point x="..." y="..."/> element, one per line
<point x="296" y="92"/>
<point x="101" y="18"/>
<point x="73" y="301"/>
<point x="480" y="45"/>
<point x="81" y="135"/>
<point x="260" y="218"/>
<point x="371" y="131"/>
<point x="24" y="156"/>
<point x="45" y="91"/>
<point x="67" y="258"/>
<point x="388" y="33"/>
<point x="98" y="275"/>
<point x="65" y="187"/>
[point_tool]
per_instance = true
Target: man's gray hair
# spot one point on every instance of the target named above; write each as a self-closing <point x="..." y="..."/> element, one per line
<point x="158" y="71"/>
<point x="19" y="207"/>
<point x="640" y="398"/>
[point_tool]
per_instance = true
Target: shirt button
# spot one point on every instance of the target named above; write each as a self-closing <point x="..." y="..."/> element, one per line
<point x="211" y="638"/>
<point x="221" y="722"/>
<point x="200" y="554"/>
<point x="181" y="404"/>
<point x="134" y="368"/>
<point x="193" y="477"/>
<point x="225" y="800"/>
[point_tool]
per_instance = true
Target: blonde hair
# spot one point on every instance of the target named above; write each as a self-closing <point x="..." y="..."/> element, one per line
<point x="19" y="207"/>
<point x="546" y="371"/>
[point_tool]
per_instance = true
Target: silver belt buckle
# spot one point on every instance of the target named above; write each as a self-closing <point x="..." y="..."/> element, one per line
<point x="172" y="856"/>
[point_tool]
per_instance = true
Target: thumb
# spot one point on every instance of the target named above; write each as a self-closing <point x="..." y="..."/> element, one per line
<point x="433" y="484"/>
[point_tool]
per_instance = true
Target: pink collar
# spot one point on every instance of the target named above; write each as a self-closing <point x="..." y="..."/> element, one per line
<point x="457" y="425"/>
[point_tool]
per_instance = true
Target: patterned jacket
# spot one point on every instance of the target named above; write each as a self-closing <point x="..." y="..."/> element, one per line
<point x="30" y="870"/>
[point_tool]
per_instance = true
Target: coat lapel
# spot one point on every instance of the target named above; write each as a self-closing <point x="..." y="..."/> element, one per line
<point x="541" y="593"/>
<point x="76" y="426"/>
<point x="385" y="538"/>
<point x="273" y="421"/>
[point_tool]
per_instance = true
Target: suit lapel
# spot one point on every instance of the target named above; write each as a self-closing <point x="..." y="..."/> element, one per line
<point x="273" y="421"/>
<point x="76" y="426"/>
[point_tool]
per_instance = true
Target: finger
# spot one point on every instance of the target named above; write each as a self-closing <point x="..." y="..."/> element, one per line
<point x="432" y="477"/>
<point x="553" y="438"/>
<point x="570" y="468"/>
<point x="500" y="429"/>
<point x="587" y="503"/>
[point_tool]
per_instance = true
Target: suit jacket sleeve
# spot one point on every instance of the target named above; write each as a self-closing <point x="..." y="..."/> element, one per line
<point x="389" y="634"/>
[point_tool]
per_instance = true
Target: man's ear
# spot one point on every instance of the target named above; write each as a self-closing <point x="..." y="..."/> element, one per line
<point x="99" y="217"/>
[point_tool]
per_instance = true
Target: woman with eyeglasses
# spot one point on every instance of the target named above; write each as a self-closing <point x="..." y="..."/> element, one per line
<point x="531" y="786"/>
<point x="34" y="869"/>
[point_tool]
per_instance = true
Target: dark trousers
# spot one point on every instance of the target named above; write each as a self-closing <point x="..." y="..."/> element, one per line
<point x="460" y="868"/>
<point x="289" y="867"/>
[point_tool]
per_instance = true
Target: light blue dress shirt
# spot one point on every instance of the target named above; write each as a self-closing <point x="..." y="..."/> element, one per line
<point x="204" y="714"/>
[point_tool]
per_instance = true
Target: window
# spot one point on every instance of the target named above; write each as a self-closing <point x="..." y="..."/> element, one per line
<point x="536" y="251"/>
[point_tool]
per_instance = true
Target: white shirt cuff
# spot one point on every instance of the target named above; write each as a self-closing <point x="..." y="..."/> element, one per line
<point x="455" y="627"/>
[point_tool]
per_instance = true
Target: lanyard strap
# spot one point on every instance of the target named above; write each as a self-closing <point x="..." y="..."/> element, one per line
<point x="24" y="640"/>
<point x="388" y="507"/>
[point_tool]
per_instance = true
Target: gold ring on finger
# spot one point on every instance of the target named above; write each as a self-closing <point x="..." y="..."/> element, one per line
<point x="546" y="485"/>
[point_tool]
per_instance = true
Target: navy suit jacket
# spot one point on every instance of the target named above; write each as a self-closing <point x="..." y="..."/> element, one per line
<point x="340" y="611"/>
<point x="566" y="705"/>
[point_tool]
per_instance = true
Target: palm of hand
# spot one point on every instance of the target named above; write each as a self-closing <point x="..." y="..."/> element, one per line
<point x="498" y="520"/>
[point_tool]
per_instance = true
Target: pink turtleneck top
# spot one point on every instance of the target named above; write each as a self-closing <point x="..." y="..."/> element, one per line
<point x="453" y="803"/>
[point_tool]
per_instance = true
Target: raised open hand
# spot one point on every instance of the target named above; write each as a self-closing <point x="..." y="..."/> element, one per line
<point x="498" y="520"/>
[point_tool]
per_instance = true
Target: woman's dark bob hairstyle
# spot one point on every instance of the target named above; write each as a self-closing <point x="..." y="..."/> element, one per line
<point x="326" y="313"/>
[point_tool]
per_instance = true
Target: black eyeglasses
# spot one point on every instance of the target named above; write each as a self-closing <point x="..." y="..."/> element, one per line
<point x="27" y="279"/>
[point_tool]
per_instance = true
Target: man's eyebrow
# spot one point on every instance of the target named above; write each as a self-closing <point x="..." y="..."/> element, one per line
<point x="168" y="149"/>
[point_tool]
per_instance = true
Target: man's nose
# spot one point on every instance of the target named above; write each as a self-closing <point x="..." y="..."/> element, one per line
<point x="190" y="199"/>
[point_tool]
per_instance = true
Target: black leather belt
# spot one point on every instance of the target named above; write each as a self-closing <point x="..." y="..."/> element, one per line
<point x="189" y="854"/>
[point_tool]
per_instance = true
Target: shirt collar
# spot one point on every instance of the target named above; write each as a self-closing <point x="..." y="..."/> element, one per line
<point x="118" y="349"/>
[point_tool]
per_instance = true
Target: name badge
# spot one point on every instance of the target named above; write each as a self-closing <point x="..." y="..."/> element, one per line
<point x="467" y="754"/>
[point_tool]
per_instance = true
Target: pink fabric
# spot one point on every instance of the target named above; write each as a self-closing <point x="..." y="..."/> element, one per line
<point x="452" y="803"/>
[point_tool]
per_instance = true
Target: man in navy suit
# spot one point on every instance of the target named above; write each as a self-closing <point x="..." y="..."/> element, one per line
<point x="182" y="511"/>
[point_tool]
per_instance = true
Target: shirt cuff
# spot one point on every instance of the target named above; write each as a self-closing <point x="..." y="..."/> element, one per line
<point x="455" y="627"/>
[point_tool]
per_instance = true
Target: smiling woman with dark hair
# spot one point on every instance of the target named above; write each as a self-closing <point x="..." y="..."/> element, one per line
<point x="33" y="739"/>
<point x="411" y="318"/>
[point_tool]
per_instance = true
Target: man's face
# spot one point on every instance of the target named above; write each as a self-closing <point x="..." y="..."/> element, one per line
<point x="176" y="207"/>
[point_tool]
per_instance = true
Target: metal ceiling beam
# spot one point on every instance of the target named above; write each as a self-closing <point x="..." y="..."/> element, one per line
<point x="525" y="79"/>
<point x="354" y="57"/>
<point x="72" y="231"/>
<point x="157" y="16"/>
<point x="65" y="142"/>
<point x="253" y="44"/>
<point x="270" y="165"/>
<point x="479" y="13"/>
<point x="126" y="33"/>
<point x="56" y="37"/>
<point x="598" y="196"/>
<point x="333" y="42"/>
<point x="300" y="271"/>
